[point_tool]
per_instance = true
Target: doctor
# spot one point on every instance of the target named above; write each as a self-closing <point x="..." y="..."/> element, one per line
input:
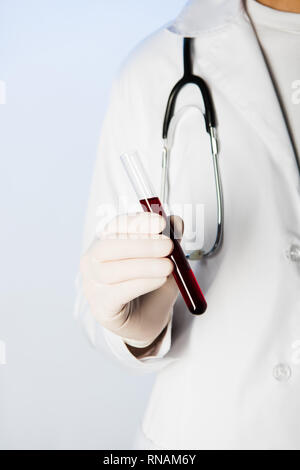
<point x="229" y="379"/>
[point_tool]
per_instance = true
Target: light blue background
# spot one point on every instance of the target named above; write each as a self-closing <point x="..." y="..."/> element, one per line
<point x="58" y="58"/>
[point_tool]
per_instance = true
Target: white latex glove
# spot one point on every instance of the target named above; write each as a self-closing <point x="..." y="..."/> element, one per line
<point x="127" y="277"/>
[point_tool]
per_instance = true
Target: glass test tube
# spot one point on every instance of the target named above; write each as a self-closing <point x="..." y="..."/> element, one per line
<point x="182" y="272"/>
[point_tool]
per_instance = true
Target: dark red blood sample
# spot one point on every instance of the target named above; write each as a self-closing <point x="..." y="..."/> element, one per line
<point x="183" y="274"/>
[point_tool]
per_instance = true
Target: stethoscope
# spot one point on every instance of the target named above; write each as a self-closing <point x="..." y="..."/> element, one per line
<point x="170" y="121"/>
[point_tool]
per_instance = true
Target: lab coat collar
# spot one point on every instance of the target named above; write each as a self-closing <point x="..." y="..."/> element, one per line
<point x="229" y="51"/>
<point x="200" y="16"/>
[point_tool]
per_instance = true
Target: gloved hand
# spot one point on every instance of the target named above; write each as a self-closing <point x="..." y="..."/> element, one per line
<point x="127" y="277"/>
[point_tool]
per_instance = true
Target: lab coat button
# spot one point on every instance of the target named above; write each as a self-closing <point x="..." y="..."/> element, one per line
<point x="294" y="253"/>
<point x="282" y="372"/>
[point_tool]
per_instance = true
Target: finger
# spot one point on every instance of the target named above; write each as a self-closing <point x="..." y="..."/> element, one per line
<point x="125" y="292"/>
<point x="113" y="272"/>
<point x="117" y="249"/>
<point x="114" y="298"/>
<point x="141" y="222"/>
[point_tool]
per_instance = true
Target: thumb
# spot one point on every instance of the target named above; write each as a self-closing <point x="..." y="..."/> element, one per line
<point x="177" y="225"/>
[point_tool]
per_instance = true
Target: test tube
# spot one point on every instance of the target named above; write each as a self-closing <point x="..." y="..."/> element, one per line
<point x="150" y="202"/>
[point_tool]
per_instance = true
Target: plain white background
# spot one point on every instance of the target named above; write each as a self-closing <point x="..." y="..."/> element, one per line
<point x="58" y="58"/>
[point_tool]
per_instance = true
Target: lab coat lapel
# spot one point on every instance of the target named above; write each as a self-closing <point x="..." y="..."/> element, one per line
<point x="235" y="63"/>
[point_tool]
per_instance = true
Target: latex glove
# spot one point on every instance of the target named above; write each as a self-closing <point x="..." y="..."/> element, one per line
<point x="127" y="277"/>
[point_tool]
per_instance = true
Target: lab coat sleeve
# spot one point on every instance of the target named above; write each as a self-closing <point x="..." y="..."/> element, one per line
<point x="109" y="189"/>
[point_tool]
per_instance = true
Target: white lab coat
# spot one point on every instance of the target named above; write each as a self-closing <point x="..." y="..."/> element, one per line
<point x="229" y="379"/>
